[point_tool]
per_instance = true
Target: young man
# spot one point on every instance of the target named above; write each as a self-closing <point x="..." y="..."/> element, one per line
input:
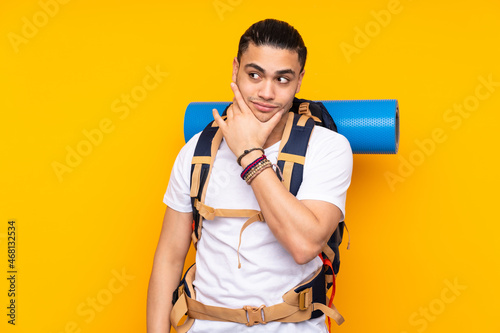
<point x="275" y="255"/>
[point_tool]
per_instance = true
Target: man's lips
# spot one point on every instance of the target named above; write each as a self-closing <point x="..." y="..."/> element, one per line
<point x="264" y="107"/>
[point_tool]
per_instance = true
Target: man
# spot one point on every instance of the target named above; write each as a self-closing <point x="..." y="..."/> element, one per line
<point x="280" y="253"/>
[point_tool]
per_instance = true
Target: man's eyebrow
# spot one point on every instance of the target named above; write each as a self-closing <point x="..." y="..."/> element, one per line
<point x="285" y="71"/>
<point x="280" y="72"/>
<point x="257" y="67"/>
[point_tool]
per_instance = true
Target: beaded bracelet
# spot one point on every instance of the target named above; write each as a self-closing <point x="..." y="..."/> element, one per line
<point x="255" y="168"/>
<point x="262" y="167"/>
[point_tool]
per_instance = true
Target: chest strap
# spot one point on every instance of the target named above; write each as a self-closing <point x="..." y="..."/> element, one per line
<point x="298" y="305"/>
<point x="209" y="213"/>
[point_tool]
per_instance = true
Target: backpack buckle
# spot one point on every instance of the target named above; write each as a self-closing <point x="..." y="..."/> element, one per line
<point x="304" y="300"/>
<point x="261" y="217"/>
<point x="255" y="315"/>
<point x="304" y="108"/>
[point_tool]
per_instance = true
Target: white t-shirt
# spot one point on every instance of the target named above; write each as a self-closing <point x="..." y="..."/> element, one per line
<point x="267" y="270"/>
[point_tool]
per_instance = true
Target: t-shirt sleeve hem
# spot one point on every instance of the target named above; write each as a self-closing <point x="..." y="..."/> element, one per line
<point x="335" y="201"/>
<point x="177" y="207"/>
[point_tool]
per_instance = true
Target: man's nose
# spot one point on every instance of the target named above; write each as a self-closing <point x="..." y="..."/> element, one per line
<point x="266" y="90"/>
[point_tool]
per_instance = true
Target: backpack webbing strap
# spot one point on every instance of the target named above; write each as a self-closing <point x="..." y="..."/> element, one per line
<point x="298" y="305"/>
<point x="252" y="219"/>
<point x="209" y="213"/>
<point x="291" y="157"/>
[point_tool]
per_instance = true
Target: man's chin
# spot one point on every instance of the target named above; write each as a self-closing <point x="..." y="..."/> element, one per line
<point x="264" y="117"/>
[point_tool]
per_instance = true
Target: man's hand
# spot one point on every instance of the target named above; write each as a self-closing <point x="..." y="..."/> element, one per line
<point x="242" y="130"/>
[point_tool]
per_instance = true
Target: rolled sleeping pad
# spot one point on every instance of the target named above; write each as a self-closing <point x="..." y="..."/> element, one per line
<point x="371" y="126"/>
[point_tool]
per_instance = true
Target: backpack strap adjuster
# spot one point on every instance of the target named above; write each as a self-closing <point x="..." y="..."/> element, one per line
<point x="255" y="315"/>
<point x="304" y="108"/>
<point x="260" y="217"/>
<point x="305" y="299"/>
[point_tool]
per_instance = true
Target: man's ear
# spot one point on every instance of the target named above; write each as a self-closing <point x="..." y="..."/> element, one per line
<point x="301" y="76"/>
<point x="236" y="66"/>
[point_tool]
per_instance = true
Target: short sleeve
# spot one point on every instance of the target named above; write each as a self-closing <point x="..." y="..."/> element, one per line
<point x="177" y="195"/>
<point x="327" y="169"/>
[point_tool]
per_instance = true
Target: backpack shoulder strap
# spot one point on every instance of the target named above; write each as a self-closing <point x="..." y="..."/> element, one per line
<point x="291" y="158"/>
<point x="201" y="168"/>
<point x="293" y="147"/>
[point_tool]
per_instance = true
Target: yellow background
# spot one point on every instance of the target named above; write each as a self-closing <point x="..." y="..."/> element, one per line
<point x="434" y="225"/>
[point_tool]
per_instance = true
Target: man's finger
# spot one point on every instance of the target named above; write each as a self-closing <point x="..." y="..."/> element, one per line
<point x="230" y="112"/>
<point x="218" y="119"/>
<point x="238" y="99"/>
<point x="235" y="106"/>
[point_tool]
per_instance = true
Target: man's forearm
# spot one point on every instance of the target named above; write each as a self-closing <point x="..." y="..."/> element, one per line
<point x="161" y="286"/>
<point x="168" y="264"/>
<point x="302" y="228"/>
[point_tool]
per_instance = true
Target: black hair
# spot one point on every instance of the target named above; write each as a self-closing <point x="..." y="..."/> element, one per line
<point x="274" y="33"/>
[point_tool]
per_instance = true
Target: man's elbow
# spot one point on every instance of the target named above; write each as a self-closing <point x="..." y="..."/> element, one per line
<point x="303" y="255"/>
